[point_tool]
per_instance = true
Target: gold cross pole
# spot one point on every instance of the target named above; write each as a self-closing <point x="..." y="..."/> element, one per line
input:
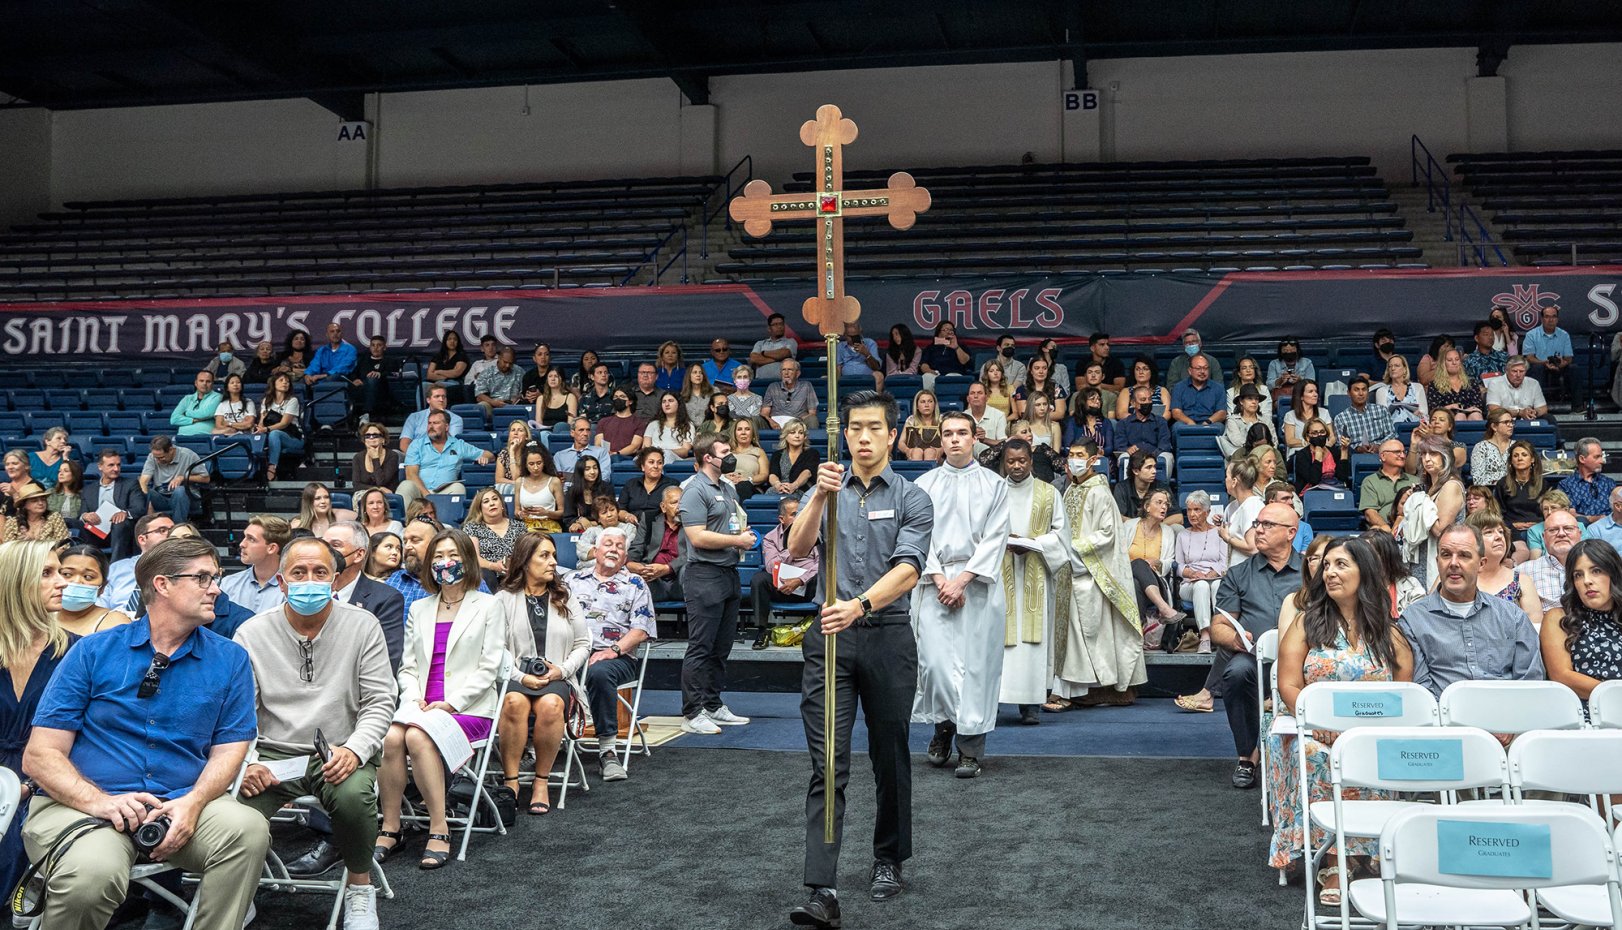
<point x="901" y="200"/>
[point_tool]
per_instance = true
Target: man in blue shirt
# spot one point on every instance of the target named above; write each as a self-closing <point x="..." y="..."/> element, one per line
<point x="194" y="415"/>
<point x="1485" y="362"/>
<point x="152" y="719"/>
<point x="434" y="465"/>
<point x="1549" y="350"/>
<point x="334" y="360"/>
<point x="416" y="425"/>
<point x="859" y="356"/>
<point x="1197" y="400"/>
<point x="1590" y="491"/>
<point x="720" y="366"/>
<point x="1142" y="428"/>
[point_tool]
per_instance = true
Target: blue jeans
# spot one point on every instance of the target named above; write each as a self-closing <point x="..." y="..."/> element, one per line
<point x="279" y="443"/>
<point x="176" y="504"/>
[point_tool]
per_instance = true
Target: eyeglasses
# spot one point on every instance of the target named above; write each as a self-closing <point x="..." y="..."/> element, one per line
<point x="306" y="650"/>
<point x="1394" y="452"/>
<point x="1559" y="530"/>
<point x="374" y="436"/>
<point x="205" y="580"/>
<point x="152" y="678"/>
<point x="1270" y="525"/>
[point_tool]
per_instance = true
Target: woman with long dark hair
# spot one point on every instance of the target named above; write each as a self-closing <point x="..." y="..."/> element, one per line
<point x="673" y="432"/>
<point x="901" y="356"/>
<point x="280" y="419"/>
<point x="1143" y="373"/>
<point x="1520" y="489"/>
<point x="449" y="365"/>
<point x="1582" y="638"/>
<point x="1346" y="633"/>
<point x="84" y="570"/>
<point x="579" y="501"/>
<point x="296" y="354"/>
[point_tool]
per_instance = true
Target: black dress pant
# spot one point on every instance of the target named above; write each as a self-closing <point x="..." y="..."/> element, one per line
<point x="761" y="595"/>
<point x="713" y="594"/>
<point x="1239" y="700"/>
<point x="877" y="666"/>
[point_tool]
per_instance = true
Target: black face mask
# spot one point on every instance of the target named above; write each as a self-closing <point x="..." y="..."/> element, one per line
<point x="621" y="405"/>
<point x="1146" y="409"/>
<point x="1289" y="357"/>
<point x="1007" y="351"/>
<point x="1387" y="346"/>
<point x="729" y="464"/>
<point x="1097" y="411"/>
<point x="1319" y="440"/>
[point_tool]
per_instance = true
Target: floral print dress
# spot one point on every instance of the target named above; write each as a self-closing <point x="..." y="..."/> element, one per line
<point x="1338" y="663"/>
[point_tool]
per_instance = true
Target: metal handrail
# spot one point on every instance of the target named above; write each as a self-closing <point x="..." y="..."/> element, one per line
<point x="1460" y="217"/>
<point x="710" y="206"/>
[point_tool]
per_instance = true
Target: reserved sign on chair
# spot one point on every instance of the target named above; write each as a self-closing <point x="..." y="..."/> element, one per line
<point x="1494" y="850"/>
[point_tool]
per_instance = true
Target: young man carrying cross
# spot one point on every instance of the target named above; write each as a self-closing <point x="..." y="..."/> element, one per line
<point x="884" y="524"/>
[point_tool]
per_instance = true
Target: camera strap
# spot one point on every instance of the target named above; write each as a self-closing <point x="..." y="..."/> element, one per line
<point x="20" y="905"/>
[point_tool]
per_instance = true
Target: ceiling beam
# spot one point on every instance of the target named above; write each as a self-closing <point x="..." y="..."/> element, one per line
<point x="647" y="26"/>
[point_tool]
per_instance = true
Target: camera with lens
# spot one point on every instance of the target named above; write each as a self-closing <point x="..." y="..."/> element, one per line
<point x="149" y="836"/>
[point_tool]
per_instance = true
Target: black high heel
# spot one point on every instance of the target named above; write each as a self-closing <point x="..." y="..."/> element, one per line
<point x="379" y="853"/>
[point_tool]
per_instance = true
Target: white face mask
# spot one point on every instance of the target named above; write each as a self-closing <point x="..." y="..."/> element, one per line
<point x="1078" y="467"/>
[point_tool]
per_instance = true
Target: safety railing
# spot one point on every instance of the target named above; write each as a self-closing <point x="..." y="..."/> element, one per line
<point x="1461" y="223"/>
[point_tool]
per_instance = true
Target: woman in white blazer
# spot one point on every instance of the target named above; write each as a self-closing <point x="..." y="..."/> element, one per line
<point x="539" y="611"/>
<point x="1153" y="548"/>
<point x="453" y="643"/>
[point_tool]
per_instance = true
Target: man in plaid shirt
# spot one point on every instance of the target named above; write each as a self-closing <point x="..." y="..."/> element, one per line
<point x="1363" y="426"/>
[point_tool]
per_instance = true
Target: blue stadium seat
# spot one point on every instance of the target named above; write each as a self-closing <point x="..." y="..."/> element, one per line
<point x="472" y="416"/>
<point x="566" y="553"/>
<point x="1331" y="509"/>
<point x="451" y="508"/>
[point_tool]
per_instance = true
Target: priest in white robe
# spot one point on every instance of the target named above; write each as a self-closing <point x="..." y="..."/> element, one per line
<point x="1101" y="647"/>
<point x="1036" y="582"/>
<point x="958" y="611"/>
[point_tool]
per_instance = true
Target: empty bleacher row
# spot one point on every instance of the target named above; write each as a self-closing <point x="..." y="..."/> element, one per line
<point x="1151" y="216"/>
<point x="564" y="234"/>
<point x="1545" y="204"/>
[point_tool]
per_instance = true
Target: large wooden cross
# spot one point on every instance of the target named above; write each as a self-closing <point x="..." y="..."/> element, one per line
<point x="829" y="310"/>
<point x="901" y="201"/>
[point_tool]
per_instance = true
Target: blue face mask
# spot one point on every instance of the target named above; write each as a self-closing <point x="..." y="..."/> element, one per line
<point x="78" y="596"/>
<point x="308" y="598"/>
<point x="1192" y="350"/>
<point x="225" y="356"/>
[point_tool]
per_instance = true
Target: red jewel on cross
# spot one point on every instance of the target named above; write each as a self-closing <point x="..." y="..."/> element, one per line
<point x="828" y="203"/>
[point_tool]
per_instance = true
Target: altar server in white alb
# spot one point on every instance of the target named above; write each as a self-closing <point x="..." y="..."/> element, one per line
<point x="1035" y="580"/>
<point x="958" y="608"/>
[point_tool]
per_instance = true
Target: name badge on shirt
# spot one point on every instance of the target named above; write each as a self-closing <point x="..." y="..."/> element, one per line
<point x="881" y="514"/>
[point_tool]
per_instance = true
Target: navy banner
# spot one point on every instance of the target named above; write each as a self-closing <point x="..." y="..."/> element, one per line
<point x="1131" y="307"/>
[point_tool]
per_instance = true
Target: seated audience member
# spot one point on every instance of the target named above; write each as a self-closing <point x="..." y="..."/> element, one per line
<point x="990" y="424"/>
<point x="1439" y="427"/>
<point x="548" y="639"/>
<point x="1485" y="363"/>
<point x="125" y="494"/>
<point x="1459" y="633"/>
<point x="608" y="514"/>
<point x="1590" y="491"/>
<point x="438" y="672"/>
<point x="296" y="354"/>
<point x="225" y="362"/>
<point x="281" y="422"/>
<point x="419" y="531"/>
<point x="753" y="467"/>
<point x="32" y="590"/>
<point x="619" y="611"/>
<point x="672" y="433"/>
<point x="416" y="425"/>
<point x="1362" y="426"/>
<point x="535" y="378"/>
<point x="1546" y="569"/>
<point x="1092" y="376"/>
<point x="1238" y="526"/>
<point x="46" y="465"/>
<point x="375" y="465"/>
<point x="1609" y="527"/>
<point x="1346" y="634"/>
<point x="581" y="379"/>
<point x="421" y="507"/>
<point x="771" y="584"/>
<point x="1280" y="492"/>
<point x="768" y="355"/>
<point x="1142" y="430"/>
<point x="262" y="365"/>
<point x="621" y="432"/>
<point x="369" y="394"/>
<point x="945" y="356"/>
<point x="556" y="403"/>
<point x="167" y="477"/>
<point x="1197" y="400"/>
<point x="372" y="512"/>
<point x="1012" y="369"/>
<point x="510" y="457"/>
<point x="1202" y="560"/>
<point x="315" y="511"/>
<point x="1520" y="489"/>
<point x="568" y="460"/>
<point x="1401" y="584"/>
<point x="1040" y="381"/>
<point x="336" y="682"/>
<point x="902" y="356"/>
<point x="384" y="558"/>
<point x="717" y="419"/>
<point x="1402" y="399"/>
<point x="698" y="394"/>
<point x="448" y="367"/>
<point x="1318" y="464"/>
<point x="657" y="556"/>
<point x="1087" y="423"/>
<point x="1311" y="561"/>
<point x="1516" y="393"/>
<point x="789" y="398"/>
<point x="1193" y="347"/>
<point x="744" y="403"/>
<point x="1548" y="350"/>
<point x="1304" y="409"/>
<point x="1000" y="387"/>
<point x="489" y="348"/>
<point x="718" y="368"/>
<point x="333" y="361"/>
<point x="921" y="433"/>
<point x="1114" y="373"/>
<point x="1047" y="461"/>
<point x="1547" y="504"/>
<point x="84" y="572"/>
<point x="1046" y="429"/>
<point x="149" y="530"/>
<point x="1134" y="488"/>
<point x="1499" y="577"/>
<point x="585" y="486"/>
<point x="1269" y="464"/>
<point x="597" y="394"/>
<point x="1480" y="498"/>
<point x="352" y="586"/>
<point x="492" y="531"/>
<point x="258" y="586"/>
<point x="434" y="466"/>
<point x="34" y="519"/>
<point x="1152" y="547"/>
<point x="1489" y="460"/>
<point x="671" y="369"/>
<point x="858" y="356"/>
<point x="1144" y="375"/>
<point x="1289" y="368"/>
<point x="1385" y="349"/>
<point x="1582" y="638"/>
<point x="639" y="497"/>
<point x="194" y="414"/>
<point x="501" y="384"/>
<point x="236" y="415"/>
<point x="538" y="495"/>
<point x="1246" y="417"/>
<point x="1452" y="388"/>
<point x="91" y="756"/>
<point x="793" y="466"/>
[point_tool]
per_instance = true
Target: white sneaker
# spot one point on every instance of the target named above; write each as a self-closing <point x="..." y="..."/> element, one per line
<point x="701" y="724"/>
<point x="360" y="907"/>
<point x="724" y="716"/>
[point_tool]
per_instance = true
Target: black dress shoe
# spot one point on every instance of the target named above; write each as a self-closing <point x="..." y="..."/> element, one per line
<point x="1244" y="774"/>
<point x="821" y="911"/>
<point x="321" y="857"/>
<point x="1028" y="715"/>
<point x="940" y="745"/>
<point x="887" y="881"/>
<point x="763" y="640"/>
<point x="967" y="767"/>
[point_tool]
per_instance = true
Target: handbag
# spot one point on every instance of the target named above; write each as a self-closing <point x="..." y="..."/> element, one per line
<point x="459" y="795"/>
<point x="790" y="634"/>
<point x="574" y="713"/>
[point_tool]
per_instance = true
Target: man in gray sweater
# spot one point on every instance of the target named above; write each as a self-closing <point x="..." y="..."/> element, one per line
<point x="324" y="686"/>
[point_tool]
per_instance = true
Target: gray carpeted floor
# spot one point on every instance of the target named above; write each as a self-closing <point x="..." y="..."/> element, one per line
<point x="711" y="838"/>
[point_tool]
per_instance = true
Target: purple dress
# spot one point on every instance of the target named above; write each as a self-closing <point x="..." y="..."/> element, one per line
<point x="476" y="728"/>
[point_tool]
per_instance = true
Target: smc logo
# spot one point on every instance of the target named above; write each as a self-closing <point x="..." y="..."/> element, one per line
<point x="994" y="309"/>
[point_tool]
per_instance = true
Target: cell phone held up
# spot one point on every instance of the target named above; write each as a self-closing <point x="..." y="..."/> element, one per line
<point x="322" y="747"/>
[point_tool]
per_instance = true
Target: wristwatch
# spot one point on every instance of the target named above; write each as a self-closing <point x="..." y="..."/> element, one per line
<point x="616" y="648"/>
<point x="867" y="605"/>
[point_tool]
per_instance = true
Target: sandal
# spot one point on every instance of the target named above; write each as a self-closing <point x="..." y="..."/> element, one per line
<point x="433" y="858"/>
<point x="539" y="808"/>
<point x="1327" y="896"/>
<point x="379" y="853"/>
<point x="1186" y="702"/>
<point x="1058" y="705"/>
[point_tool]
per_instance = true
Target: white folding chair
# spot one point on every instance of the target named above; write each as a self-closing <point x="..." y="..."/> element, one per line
<point x="276" y="877"/>
<point x="633" y="704"/>
<point x="1583" y="905"/>
<point x="11" y="797"/>
<point x="1605" y="705"/>
<point x="573" y="763"/>
<point x="1266" y="658"/>
<point x="1511" y="707"/>
<point x="1580" y="762"/>
<point x="1341" y="707"/>
<point x="1432" y="875"/>
<point x="478" y="769"/>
